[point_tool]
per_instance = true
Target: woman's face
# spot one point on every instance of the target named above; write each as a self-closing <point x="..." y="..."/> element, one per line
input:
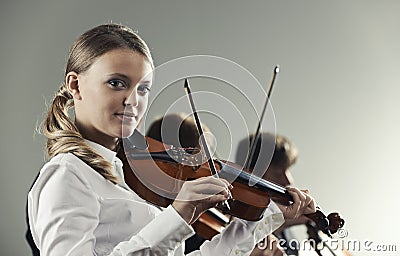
<point x="112" y="96"/>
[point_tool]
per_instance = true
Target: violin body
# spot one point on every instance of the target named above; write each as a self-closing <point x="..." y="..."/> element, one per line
<point x="210" y="223"/>
<point x="157" y="172"/>
<point x="158" y="178"/>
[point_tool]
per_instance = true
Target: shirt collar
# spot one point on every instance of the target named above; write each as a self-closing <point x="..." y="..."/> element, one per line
<point x="109" y="155"/>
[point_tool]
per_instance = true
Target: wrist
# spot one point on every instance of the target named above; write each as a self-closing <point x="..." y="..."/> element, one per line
<point x="185" y="210"/>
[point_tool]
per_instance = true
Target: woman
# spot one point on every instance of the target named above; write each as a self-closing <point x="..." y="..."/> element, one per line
<point x="80" y="204"/>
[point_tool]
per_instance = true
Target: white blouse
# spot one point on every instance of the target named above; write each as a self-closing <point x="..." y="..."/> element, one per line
<point x="73" y="210"/>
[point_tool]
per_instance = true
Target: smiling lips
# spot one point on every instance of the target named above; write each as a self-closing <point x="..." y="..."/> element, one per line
<point x="127" y="116"/>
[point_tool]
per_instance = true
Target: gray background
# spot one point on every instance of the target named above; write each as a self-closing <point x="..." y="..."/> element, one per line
<point x="336" y="96"/>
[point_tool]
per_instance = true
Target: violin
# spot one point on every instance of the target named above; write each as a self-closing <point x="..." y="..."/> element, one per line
<point x="156" y="172"/>
<point x="315" y="241"/>
<point x="145" y="158"/>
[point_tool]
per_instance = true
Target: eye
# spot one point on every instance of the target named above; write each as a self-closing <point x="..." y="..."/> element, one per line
<point x="143" y="89"/>
<point x="117" y="83"/>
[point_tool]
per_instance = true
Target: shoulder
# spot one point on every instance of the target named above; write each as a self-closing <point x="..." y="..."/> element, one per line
<point x="64" y="170"/>
<point x="64" y="165"/>
<point x="62" y="187"/>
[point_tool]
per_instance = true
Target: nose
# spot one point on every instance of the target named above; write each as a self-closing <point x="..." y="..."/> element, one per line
<point x="132" y="99"/>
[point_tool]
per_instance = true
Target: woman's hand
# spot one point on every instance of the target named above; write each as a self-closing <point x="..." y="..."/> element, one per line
<point x="198" y="195"/>
<point x="303" y="204"/>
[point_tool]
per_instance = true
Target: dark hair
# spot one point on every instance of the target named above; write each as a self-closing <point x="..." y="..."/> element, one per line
<point x="176" y="129"/>
<point x="271" y="149"/>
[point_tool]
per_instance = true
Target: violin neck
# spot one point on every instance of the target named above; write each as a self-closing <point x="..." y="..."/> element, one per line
<point x="275" y="191"/>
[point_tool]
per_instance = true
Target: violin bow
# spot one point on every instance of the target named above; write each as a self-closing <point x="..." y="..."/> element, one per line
<point x="257" y="134"/>
<point x="319" y="216"/>
<point x="202" y="137"/>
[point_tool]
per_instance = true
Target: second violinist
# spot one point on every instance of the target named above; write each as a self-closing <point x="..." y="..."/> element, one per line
<point x="80" y="204"/>
<point x="282" y="154"/>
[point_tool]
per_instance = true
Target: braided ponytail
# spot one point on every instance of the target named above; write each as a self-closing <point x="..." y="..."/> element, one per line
<point x="62" y="134"/>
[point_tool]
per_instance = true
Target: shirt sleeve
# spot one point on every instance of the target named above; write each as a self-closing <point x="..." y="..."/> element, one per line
<point x="155" y="238"/>
<point x="64" y="213"/>
<point x="240" y="236"/>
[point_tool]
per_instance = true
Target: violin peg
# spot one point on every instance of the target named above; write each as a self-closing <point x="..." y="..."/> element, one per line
<point x="335" y="222"/>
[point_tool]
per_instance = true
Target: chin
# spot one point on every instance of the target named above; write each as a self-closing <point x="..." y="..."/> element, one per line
<point x="127" y="132"/>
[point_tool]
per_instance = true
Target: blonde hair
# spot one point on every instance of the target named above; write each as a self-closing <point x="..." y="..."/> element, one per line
<point x="62" y="134"/>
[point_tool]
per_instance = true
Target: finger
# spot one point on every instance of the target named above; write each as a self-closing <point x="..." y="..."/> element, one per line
<point x="296" y="195"/>
<point x="276" y="251"/>
<point x="211" y="201"/>
<point x="310" y="205"/>
<point x="217" y="199"/>
<point x="225" y="185"/>
<point x="305" y="191"/>
<point x="292" y="211"/>
<point x="301" y="195"/>
<point x="273" y="245"/>
<point x="213" y="180"/>
<point x="206" y="190"/>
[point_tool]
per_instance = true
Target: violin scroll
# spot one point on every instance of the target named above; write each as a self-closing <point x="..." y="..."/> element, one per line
<point x="335" y="222"/>
<point x="327" y="224"/>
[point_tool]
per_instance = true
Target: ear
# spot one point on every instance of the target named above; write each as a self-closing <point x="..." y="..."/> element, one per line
<point x="71" y="81"/>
